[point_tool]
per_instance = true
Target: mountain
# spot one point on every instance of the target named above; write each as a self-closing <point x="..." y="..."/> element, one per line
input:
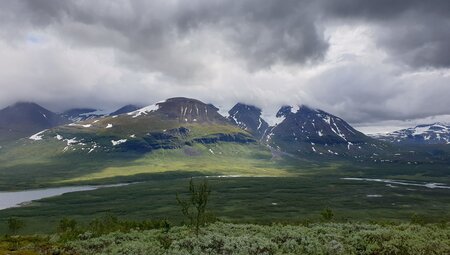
<point x="125" y="109"/>
<point x="24" y="119"/>
<point x="248" y="117"/>
<point x="177" y="137"/>
<point x="184" y="110"/>
<point x="171" y="124"/>
<point x="437" y="133"/>
<point x="81" y="114"/>
<point x="303" y="130"/>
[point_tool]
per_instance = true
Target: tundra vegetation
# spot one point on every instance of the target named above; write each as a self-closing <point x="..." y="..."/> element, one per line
<point x="200" y="233"/>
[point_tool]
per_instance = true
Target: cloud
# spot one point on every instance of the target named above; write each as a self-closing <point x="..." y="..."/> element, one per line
<point x="414" y="32"/>
<point x="177" y="38"/>
<point x="365" y="61"/>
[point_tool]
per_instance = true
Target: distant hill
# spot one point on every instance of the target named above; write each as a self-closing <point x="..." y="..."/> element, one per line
<point x="125" y="109"/>
<point x="24" y="119"/>
<point x="81" y="114"/>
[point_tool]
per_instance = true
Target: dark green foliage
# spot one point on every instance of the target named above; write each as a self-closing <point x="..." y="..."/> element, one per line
<point x="66" y="225"/>
<point x="322" y="238"/>
<point x="68" y="229"/>
<point x="242" y="200"/>
<point x="194" y="207"/>
<point x="327" y="214"/>
<point x="417" y="219"/>
<point x="15" y="224"/>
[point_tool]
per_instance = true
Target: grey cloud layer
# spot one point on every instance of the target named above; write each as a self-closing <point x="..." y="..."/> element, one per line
<point x="224" y="51"/>
<point x="415" y="32"/>
<point x="150" y="34"/>
<point x="161" y="35"/>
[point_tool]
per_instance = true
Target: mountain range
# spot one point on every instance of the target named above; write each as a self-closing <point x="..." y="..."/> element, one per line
<point x="301" y="132"/>
<point x="436" y="133"/>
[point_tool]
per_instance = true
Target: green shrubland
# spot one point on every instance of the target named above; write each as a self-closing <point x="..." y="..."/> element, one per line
<point x="228" y="238"/>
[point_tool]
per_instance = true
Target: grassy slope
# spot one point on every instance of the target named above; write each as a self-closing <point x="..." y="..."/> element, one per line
<point x="40" y="167"/>
<point x="48" y="162"/>
<point x="213" y="159"/>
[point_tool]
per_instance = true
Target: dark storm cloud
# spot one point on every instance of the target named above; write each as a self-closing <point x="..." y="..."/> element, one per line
<point x="415" y="32"/>
<point x="157" y="35"/>
<point x="266" y="52"/>
<point x="262" y="33"/>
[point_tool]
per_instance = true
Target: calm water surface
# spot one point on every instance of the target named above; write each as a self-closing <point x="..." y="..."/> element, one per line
<point x="10" y="199"/>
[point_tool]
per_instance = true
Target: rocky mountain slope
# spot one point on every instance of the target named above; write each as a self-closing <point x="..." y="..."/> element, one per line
<point x="303" y="130"/>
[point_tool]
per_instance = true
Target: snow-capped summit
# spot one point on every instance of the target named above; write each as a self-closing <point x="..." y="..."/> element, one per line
<point x="436" y="133"/>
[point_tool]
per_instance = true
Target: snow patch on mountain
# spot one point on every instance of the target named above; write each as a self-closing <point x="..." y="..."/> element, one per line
<point x="117" y="142"/>
<point x="436" y="133"/>
<point x="144" y="110"/>
<point x="37" y="136"/>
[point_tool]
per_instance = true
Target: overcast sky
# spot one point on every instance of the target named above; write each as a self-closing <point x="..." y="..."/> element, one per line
<point x="368" y="62"/>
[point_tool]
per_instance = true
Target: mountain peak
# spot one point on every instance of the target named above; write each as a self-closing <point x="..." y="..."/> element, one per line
<point x="248" y="117"/>
<point x="284" y="111"/>
<point x="26" y="118"/>
<point x="305" y="129"/>
<point x="26" y="105"/>
<point x="125" y="109"/>
<point x="182" y="109"/>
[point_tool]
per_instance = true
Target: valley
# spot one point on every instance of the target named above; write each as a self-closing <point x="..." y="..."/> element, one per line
<point x="290" y="172"/>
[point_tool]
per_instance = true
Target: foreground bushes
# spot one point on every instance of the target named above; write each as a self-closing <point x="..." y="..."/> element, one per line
<point x="224" y="238"/>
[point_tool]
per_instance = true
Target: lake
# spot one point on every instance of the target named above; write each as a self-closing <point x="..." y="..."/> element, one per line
<point x="9" y="199"/>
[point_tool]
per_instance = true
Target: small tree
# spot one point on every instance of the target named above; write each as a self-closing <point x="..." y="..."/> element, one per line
<point x="66" y="225"/>
<point x="194" y="208"/>
<point x="68" y="229"/>
<point x="14" y="225"/>
<point x="327" y="214"/>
